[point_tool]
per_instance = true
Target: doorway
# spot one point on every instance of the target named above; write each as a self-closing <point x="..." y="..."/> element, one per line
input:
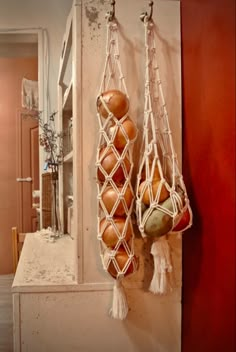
<point x="20" y="53"/>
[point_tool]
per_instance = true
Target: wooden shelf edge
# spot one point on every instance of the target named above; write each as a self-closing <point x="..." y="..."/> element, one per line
<point x="68" y="158"/>
<point x="67" y="99"/>
<point x="66" y="46"/>
<point x="72" y="287"/>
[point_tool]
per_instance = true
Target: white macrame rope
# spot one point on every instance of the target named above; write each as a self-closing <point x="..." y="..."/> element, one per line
<point x="160" y="250"/>
<point x="120" y="307"/>
<point x="113" y="78"/>
<point x="112" y="61"/>
<point x="158" y="213"/>
<point x="157" y="145"/>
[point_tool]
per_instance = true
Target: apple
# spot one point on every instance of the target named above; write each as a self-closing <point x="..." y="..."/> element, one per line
<point x="183" y="222"/>
<point x="158" y="222"/>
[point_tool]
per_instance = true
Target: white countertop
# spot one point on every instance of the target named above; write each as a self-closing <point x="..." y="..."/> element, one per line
<point x="44" y="263"/>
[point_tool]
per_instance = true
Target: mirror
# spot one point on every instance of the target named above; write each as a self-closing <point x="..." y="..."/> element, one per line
<point x="20" y="96"/>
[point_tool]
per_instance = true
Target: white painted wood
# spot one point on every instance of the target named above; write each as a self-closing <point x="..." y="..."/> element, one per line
<point x="6" y="320"/>
<point x="55" y="271"/>
<point x="16" y="321"/>
<point x="68" y="158"/>
<point x="78" y="135"/>
<point x="67" y="99"/>
<point x="65" y="105"/>
<point x="60" y="170"/>
<point x="79" y="323"/>
<point x="43" y="262"/>
<point x="66" y="47"/>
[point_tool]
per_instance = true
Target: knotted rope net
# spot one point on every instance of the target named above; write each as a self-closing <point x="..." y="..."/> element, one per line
<point x="114" y="165"/>
<point x="162" y="204"/>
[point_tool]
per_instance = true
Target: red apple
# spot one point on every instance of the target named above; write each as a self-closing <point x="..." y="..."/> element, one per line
<point x="183" y="222"/>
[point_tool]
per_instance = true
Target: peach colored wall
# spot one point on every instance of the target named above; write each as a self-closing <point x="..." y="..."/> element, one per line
<point x="12" y="71"/>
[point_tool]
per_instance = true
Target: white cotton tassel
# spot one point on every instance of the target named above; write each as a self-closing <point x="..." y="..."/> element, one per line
<point x="162" y="266"/>
<point x="120" y="307"/>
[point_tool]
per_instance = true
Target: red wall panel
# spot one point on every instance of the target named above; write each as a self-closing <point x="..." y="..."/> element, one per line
<point x="208" y="54"/>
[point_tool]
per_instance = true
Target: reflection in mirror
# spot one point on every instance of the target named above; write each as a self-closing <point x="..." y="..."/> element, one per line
<point x="19" y="147"/>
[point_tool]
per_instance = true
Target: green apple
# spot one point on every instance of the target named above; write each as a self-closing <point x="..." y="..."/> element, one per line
<point x="159" y="223"/>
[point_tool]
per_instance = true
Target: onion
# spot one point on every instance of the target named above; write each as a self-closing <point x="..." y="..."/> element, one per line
<point x="108" y="162"/>
<point x="109" y="235"/>
<point x="121" y="258"/>
<point x="164" y="194"/>
<point x="110" y="196"/>
<point x="156" y="173"/>
<point x="120" y="139"/>
<point x="116" y="101"/>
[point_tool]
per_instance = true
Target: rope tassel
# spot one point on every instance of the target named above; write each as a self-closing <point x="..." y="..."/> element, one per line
<point x="160" y="250"/>
<point x="120" y="307"/>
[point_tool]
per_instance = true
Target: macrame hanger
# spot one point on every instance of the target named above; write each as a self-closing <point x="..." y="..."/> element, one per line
<point x="117" y="218"/>
<point x="161" y="193"/>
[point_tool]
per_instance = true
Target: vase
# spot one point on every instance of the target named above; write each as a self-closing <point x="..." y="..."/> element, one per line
<point x="55" y="219"/>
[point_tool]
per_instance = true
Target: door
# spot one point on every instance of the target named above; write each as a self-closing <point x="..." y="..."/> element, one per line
<point x="28" y="172"/>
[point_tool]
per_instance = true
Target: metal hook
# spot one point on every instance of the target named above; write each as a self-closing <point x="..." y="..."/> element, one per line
<point x="144" y="16"/>
<point x="111" y="14"/>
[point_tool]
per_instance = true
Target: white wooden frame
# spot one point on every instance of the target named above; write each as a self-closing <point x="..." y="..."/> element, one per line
<point x="72" y="39"/>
